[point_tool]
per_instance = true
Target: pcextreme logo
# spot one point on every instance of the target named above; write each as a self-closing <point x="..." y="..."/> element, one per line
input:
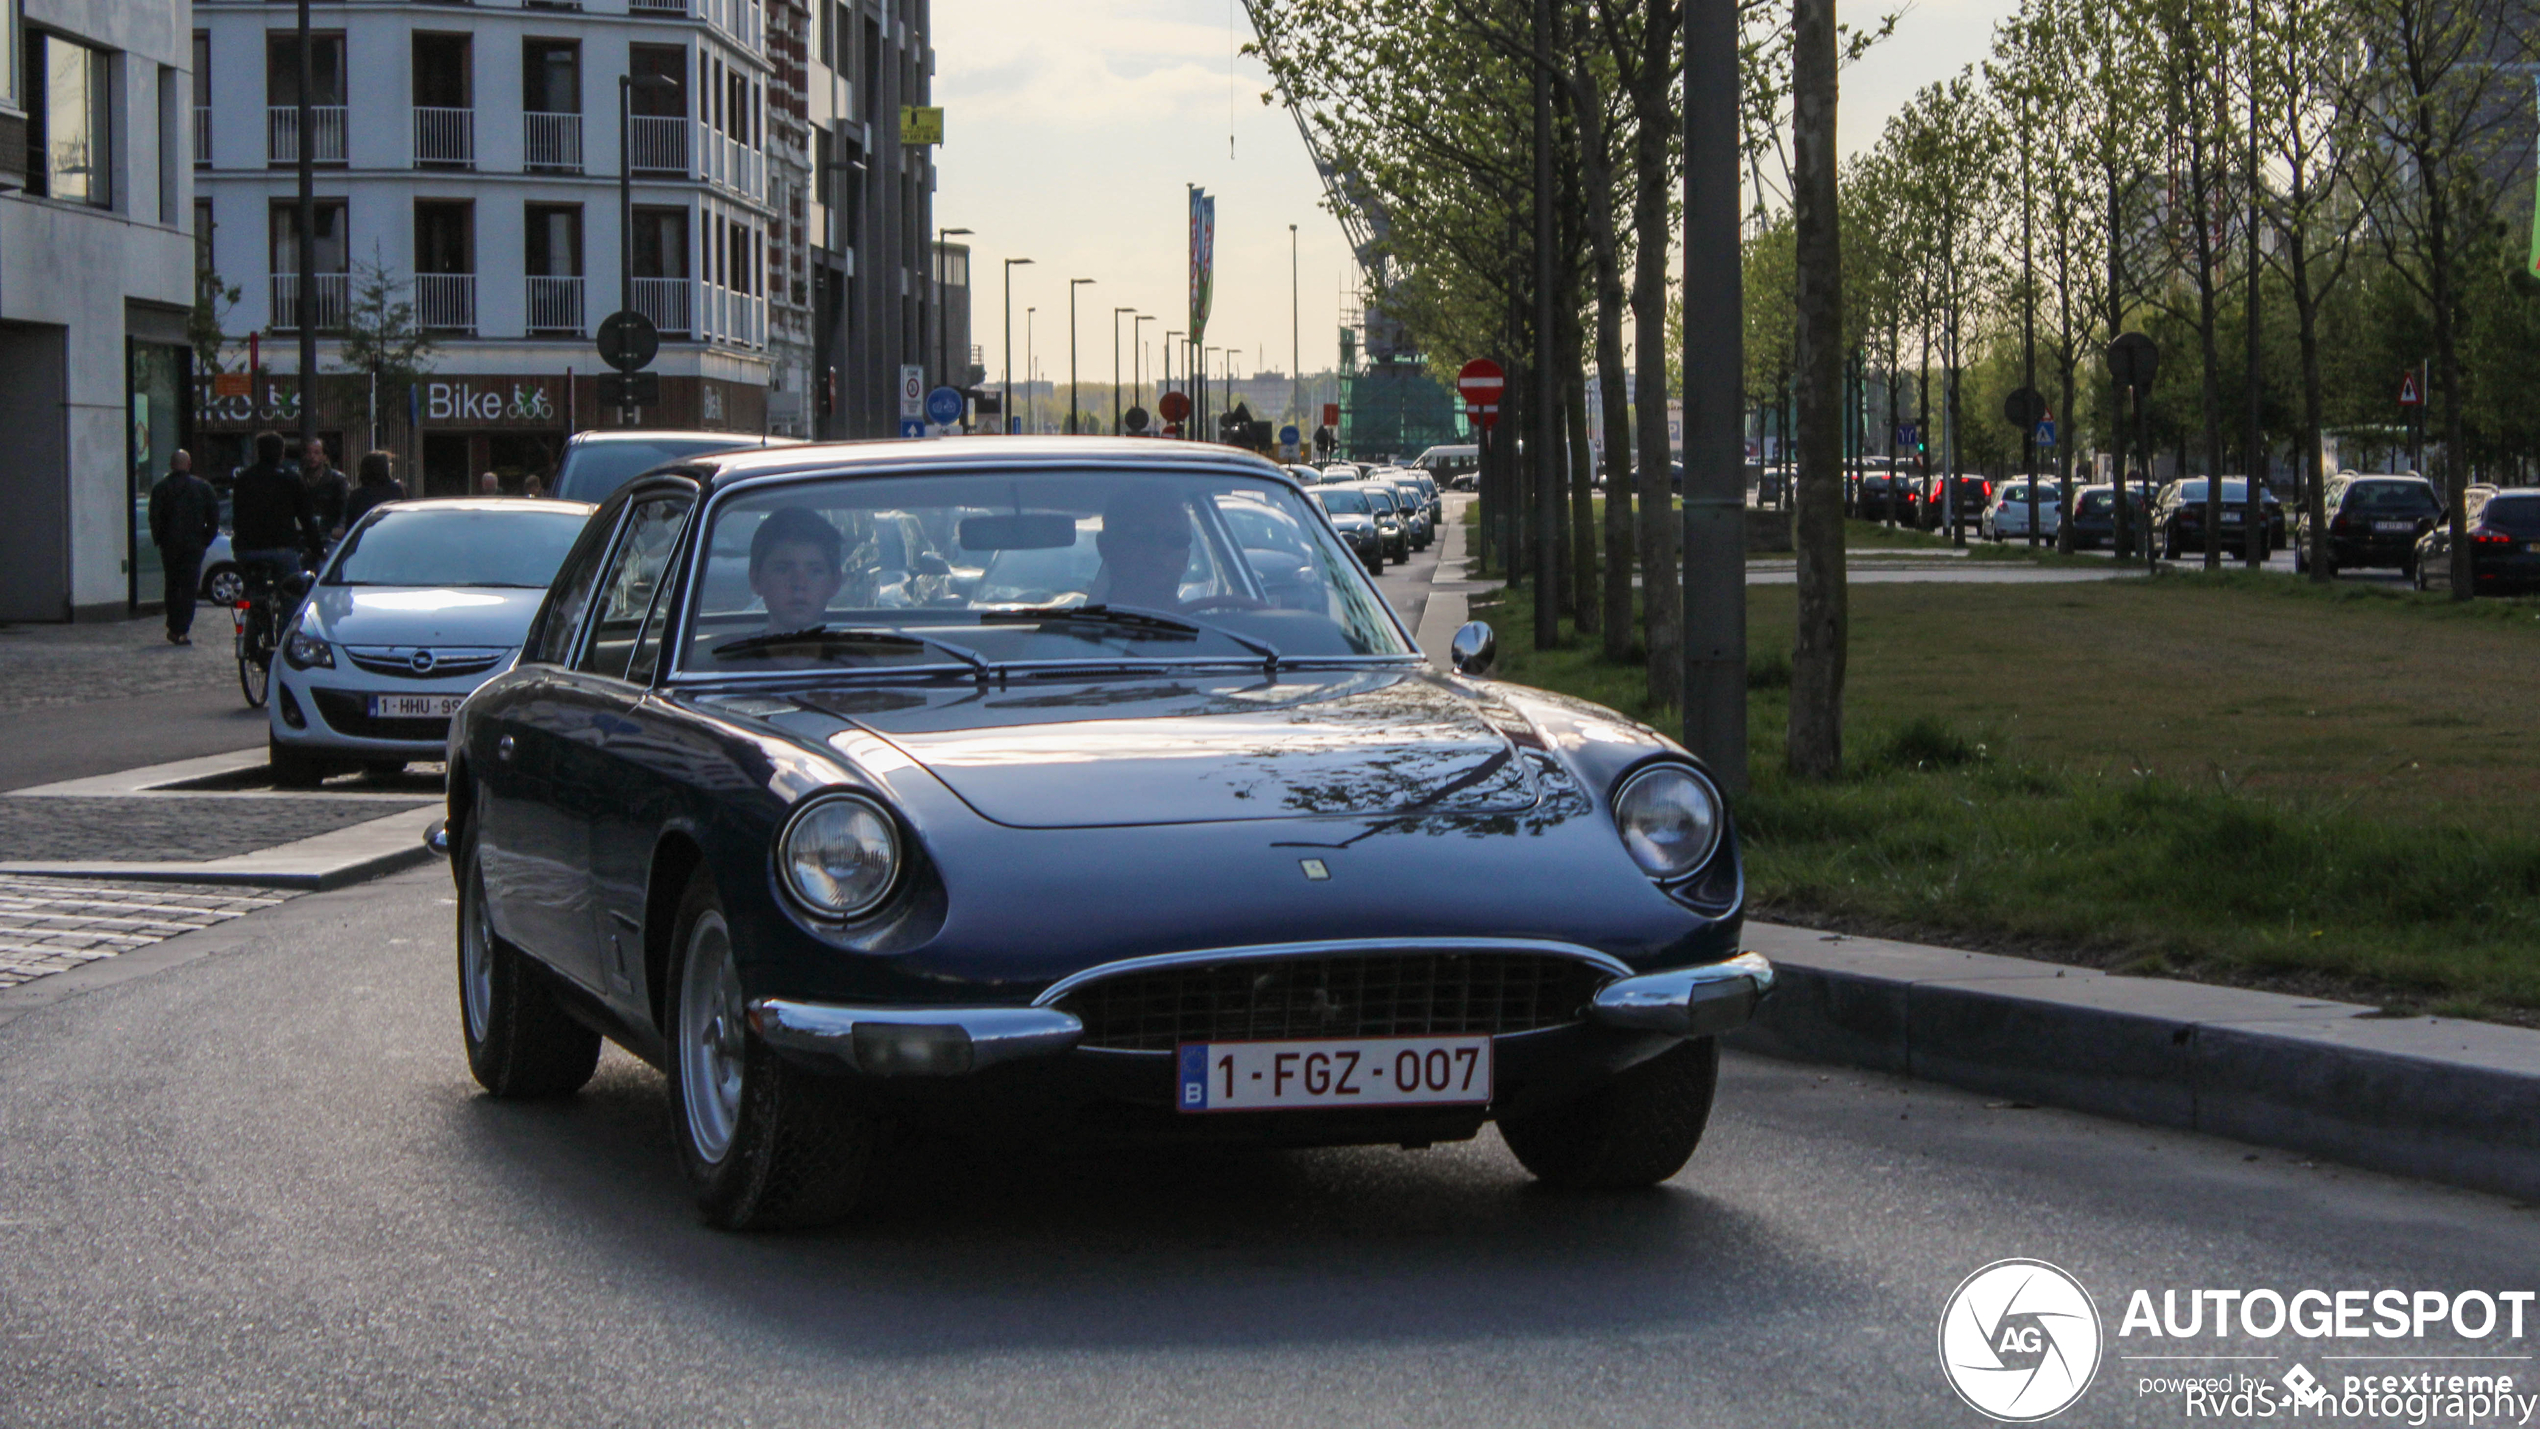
<point x="2019" y="1341"/>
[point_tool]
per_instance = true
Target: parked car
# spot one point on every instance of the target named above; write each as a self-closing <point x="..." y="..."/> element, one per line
<point x="1414" y="505"/>
<point x="2504" y="544"/>
<point x="1966" y="499"/>
<point x="2178" y="516"/>
<point x="1442" y="462"/>
<point x="1465" y="481"/>
<point x="1355" y="518"/>
<point x="2094" y="517"/>
<point x="1126" y="869"/>
<point x="1883" y="496"/>
<point x="2008" y="516"/>
<point x="420" y="603"/>
<point x="597" y="463"/>
<point x="2373" y="520"/>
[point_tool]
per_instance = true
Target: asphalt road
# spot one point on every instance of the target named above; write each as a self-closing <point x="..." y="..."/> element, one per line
<point x="257" y="1187"/>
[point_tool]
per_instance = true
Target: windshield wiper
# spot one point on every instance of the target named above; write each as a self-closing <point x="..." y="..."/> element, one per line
<point x="827" y="635"/>
<point x="1135" y="618"/>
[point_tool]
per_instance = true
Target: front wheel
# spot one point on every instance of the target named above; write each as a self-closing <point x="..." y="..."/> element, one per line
<point x="765" y="1144"/>
<point x="255" y="664"/>
<point x="520" y="1043"/>
<point x="1636" y="1130"/>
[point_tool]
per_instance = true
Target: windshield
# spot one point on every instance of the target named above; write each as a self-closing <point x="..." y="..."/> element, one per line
<point x="1382" y="500"/>
<point x="2392" y="498"/>
<point x="1179" y="566"/>
<point x="2235" y="490"/>
<point x="593" y="471"/>
<point x="1353" y="502"/>
<point x="418" y="546"/>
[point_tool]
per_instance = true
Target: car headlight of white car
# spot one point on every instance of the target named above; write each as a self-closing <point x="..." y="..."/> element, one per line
<point x="1670" y="818"/>
<point x="302" y="650"/>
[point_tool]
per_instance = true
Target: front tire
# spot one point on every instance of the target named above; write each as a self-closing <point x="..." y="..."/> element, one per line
<point x="765" y="1144"/>
<point x="520" y="1043"/>
<point x="1636" y="1130"/>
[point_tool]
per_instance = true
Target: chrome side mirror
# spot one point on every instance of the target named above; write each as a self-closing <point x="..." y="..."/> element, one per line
<point x="1474" y="648"/>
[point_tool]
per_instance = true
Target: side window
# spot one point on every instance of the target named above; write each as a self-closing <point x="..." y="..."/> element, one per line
<point x="635" y="573"/>
<point x="647" y="657"/>
<point x="572" y="592"/>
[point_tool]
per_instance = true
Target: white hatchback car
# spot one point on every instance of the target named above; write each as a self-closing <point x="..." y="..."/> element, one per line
<point x="2008" y="515"/>
<point x="418" y="605"/>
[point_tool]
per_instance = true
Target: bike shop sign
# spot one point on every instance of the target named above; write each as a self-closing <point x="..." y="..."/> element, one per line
<point x="486" y="402"/>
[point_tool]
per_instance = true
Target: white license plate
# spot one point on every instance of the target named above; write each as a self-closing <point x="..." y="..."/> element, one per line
<point x="2231" y="518"/>
<point x="415" y="706"/>
<point x="1358" y="1071"/>
<point x="2394" y="525"/>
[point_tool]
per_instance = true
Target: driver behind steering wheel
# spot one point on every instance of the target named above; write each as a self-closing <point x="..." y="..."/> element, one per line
<point x="1145" y="543"/>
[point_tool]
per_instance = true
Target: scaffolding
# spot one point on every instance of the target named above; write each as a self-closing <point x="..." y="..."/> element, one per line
<point x="1391" y="405"/>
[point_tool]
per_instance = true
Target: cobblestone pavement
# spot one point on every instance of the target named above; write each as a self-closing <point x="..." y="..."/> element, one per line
<point x="52" y="925"/>
<point x="76" y="664"/>
<point x="175" y="828"/>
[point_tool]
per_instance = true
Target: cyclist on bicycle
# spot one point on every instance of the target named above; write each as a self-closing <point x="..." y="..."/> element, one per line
<point x="272" y="522"/>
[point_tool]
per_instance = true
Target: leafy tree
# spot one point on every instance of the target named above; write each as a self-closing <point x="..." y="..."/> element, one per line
<point x="381" y="336"/>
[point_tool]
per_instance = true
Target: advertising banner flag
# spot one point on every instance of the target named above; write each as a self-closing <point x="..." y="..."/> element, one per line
<point x="1203" y="258"/>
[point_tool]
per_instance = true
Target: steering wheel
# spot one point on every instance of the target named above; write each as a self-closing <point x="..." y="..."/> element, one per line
<point x="1223" y="602"/>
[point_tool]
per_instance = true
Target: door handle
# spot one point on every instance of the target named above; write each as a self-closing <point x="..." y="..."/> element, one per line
<point x="503" y="747"/>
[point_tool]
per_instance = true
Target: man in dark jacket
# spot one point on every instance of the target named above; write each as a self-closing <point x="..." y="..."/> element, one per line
<point x="184" y="520"/>
<point x="328" y="490"/>
<point x="270" y="519"/>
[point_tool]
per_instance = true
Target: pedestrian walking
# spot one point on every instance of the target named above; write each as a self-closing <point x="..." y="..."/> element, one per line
<point x="378" y="483"/>
<point x="184" y="520"/>
<point x="328" y="490"/>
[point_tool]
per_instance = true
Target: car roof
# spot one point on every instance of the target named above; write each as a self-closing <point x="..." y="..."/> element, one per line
<point x="489" y="503"/>
<point x="897" y="457"/>
<point x="655" y="434"/>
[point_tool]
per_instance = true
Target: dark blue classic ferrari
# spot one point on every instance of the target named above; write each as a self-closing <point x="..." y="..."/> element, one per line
<point x="1082" y="788"/>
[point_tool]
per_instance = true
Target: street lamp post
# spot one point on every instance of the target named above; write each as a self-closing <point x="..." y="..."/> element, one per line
<point x="943" y="317"/>
<point x="1115" y="368"/>
<point x="1137" y="356"/>
<point x="1170" y="337"/>
<point x="1206" y="356"/>
<point x="1296" y="335"/>
<point x="1072" y="285"/>
<point x="1008" y="352"/>
<point x="1031" y="373"/>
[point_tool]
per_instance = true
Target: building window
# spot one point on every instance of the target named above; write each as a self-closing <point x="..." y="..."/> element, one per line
<point x="8" y="54"/>
<point x="203" y="237"/>
<point x="282" y="98"/>
<point x="328" y="252"/>
<point x="661" y="269"/>
<point x="445" y="264"/>
<point x="660" y="62"/>
<point x="67" y="138"/>
<point x="202" y="97"/>
<point x="551" y="76"/>
<point x="551" y="254"/>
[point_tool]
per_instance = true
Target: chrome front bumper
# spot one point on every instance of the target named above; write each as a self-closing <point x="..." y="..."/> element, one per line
<point x="953" y="1041"/>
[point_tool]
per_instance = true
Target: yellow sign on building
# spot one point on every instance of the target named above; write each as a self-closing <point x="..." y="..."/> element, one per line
<point x="921" y="124"/>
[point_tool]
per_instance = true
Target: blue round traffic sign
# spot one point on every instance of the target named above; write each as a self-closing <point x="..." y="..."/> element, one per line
<point x="1288" y="435"/>
<point x="943" y="406"/>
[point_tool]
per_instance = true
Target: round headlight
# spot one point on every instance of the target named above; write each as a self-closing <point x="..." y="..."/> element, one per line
<point x="839" y="856"/>
<point x="1670" y="819"/>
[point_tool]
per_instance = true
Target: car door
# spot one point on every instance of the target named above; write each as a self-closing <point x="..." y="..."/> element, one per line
<point x="532" y="856"/>
<point x="594" y="704"/>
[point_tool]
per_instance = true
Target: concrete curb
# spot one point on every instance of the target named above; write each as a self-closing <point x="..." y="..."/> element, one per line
<point x="2434" y="1098"/>
<point x="329" y="860"/>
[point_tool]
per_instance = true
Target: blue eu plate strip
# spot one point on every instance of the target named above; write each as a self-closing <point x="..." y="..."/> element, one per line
<point x="1195" y="1075"/>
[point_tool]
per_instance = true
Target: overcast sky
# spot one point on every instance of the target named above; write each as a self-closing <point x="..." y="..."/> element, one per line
<point x="1071" y="130"/>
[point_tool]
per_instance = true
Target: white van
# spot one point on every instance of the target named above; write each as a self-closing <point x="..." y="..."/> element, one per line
<point x="1443" y="462"/>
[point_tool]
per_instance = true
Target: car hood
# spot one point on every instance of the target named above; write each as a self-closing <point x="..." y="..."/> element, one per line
<point x="425" y="615"/>
<point x="1184" y="749"/>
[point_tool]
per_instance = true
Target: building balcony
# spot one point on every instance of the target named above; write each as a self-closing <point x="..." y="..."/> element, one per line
<point x="334" y="300"/>
<point x="676" y="9"/>
<point x="282" y="134"/>
<point x="445" y="137"/>
<point x="667" y="302"/>
<point x="202" y="136"/>
<point x="552" y="142"/>
<point x="445" y="302"/>
<point x="555" y="307"/>
<point x="658" y="145"/>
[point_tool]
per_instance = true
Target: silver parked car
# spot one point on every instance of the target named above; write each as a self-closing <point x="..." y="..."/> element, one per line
<point x="418" y="605"/>
<point x="596" y="464"/>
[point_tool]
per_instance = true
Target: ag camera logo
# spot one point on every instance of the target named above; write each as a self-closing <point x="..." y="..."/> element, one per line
<point x="2019" y="1341"/>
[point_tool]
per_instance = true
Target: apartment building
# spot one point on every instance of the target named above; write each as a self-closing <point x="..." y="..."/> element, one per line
<point x="95" y="283"/>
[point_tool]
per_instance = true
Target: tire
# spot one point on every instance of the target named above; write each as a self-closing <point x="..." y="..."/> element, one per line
<point x="255" y="670"/>
<point x="222" y="584"/>
<point x="520" y="1043"/>
<point x="293" y="769"/>
<point x="1636" y="1130"/>
<point x="765" y="1144"/>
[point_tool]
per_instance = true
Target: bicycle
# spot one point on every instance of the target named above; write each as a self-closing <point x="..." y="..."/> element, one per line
<point x="256" y="616"/>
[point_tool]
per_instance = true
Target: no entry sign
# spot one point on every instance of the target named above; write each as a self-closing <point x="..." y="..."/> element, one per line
<point x="1480" y="383"/>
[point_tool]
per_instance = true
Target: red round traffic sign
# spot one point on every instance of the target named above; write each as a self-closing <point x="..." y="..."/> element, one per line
<point x="1173" y="406"/>
<point x="1481" y="382"/>
<point x="1483" y="417"/>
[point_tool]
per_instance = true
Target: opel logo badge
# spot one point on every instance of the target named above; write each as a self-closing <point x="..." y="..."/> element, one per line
<point x="422" y="661"/>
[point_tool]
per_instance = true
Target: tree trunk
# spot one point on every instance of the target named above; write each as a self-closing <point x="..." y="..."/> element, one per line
<point x="1661" y="532"/>
<point x="1617" y="421"/>
<point x="2314" y="466"/>
<point x="1817" y="660"/>
<point x="1585" y="594"/>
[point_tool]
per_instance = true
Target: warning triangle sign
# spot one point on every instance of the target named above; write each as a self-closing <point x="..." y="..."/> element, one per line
<point x="2409" y="396"/>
